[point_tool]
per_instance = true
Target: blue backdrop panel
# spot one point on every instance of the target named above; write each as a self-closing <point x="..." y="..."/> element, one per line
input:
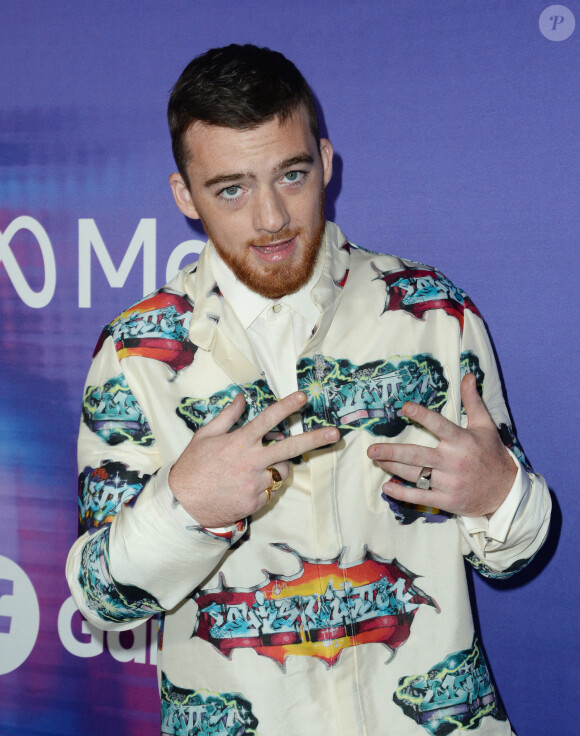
<point x="455" y="126"/>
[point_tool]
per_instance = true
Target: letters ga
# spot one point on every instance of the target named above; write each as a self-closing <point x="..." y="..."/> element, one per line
<point x="20" y="625"/>
<point x="89" y="241"/>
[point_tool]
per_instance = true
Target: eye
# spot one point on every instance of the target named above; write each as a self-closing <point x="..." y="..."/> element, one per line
<point x="291" y="177"/>
<point x="231" y="192"/>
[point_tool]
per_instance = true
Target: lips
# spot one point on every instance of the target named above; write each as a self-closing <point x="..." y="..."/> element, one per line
<point x="274" y="252"/>
<point x="273" y="248"/>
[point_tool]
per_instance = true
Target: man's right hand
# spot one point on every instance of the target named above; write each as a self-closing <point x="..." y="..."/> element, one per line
<point x="220" y="477"/>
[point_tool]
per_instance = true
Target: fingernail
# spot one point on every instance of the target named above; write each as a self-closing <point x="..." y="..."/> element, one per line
<point x="332" y="434"/>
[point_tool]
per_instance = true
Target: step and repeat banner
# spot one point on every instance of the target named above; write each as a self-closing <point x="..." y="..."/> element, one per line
<point x="455" y="126"/>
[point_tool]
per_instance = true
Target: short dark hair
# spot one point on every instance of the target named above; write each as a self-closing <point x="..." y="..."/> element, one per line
<point x="238" y="87"/>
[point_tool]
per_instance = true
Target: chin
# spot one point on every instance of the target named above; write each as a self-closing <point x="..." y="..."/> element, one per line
<point x="276" y="282"/>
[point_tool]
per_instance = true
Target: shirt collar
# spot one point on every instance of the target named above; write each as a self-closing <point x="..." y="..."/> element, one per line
<point x="248" y="305"/>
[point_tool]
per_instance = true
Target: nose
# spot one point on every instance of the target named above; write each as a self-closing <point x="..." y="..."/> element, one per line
<point x="270" y="213"/>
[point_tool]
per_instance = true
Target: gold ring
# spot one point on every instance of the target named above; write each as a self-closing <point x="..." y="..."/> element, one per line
<point x="276" y="479"/>
<point x="274" y="485"/>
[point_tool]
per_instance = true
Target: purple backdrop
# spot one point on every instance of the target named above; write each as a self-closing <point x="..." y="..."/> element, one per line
<point x="456" y="131"/>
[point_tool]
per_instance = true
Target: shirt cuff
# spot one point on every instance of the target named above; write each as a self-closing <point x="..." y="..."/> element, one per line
<point x="155" y="545"/>
<point x="493" y="532"/>
<point x="184" y="519"/>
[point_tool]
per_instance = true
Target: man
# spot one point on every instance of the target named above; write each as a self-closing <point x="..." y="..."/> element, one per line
<point x="293" y="477"/>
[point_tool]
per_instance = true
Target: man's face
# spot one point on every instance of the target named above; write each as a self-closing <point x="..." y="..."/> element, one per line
<point x="260" y="196"/>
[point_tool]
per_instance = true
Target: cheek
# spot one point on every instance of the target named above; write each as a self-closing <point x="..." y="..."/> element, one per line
<point x="226" y="226"/>
<point x="237" y="231"/>
<point x="307" y="210"/>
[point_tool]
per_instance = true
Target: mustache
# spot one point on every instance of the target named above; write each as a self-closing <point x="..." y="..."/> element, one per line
<point x="266" y="239"/>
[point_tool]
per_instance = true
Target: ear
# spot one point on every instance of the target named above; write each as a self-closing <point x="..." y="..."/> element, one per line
<point x="182" y="196"/>
<point x="326" y="154"/>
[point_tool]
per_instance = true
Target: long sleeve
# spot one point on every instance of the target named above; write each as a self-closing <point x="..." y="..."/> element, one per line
<point x="139" y="552"/>
<point x="504" y="544"/>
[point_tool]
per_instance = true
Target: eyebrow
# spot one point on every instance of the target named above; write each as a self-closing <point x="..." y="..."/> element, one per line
<point x="299" y="160"/>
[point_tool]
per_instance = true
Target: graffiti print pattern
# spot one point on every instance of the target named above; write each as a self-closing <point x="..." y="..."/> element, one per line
<point x="325" y="608"/>
<point x="511" y="442"/>
<point x="489" y="572"/>
<point x="454" y="694"/>
<point x="419" y="289"/>
<point x="108" y="598"/>
<point x="369" y="396"/>
<point x="156" y="328"/>
<point x="407" y="513"/>
<point x="103" y="490"/>
<point x="196" y="412"/>
<point x="113" y="412"/>
<point x="193" y="712"/>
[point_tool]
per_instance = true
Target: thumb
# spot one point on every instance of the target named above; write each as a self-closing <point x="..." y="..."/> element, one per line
<point x="477" y="414"/>
<point x="225" y="420"/>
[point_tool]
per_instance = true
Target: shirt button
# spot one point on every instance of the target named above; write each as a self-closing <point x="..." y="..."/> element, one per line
<point x="277" y="308"/>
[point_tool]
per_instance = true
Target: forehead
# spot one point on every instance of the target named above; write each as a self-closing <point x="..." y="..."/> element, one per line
<point x="215" y="149"/>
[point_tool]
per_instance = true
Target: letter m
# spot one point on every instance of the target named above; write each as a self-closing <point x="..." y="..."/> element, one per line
<point x="90" y="239"/>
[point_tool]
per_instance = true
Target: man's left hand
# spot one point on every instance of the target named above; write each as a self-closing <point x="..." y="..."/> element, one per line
<point x="472" y="472"/>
